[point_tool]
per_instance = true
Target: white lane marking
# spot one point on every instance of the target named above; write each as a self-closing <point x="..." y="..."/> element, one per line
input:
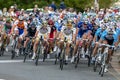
<point x="17" y="61"/>
<point x="2" y="79"/>
<point x="10" y="61"/>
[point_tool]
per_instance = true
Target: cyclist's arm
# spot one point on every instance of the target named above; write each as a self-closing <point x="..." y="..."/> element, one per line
<point x="14" y="26"/>
<point x="25" y="29"/>
<point x="74" y="34"/>
<point x="36" y="33"/>
<point x="115" y="40"/>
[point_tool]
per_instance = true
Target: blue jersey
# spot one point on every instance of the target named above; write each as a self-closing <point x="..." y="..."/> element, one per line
<point x="88" y="25"/>
<point x="58" y="26"/>
<point x="118" y="32"/>
<point x="111" y="40"/>
<point x="99" y="33"/>
<point x="82" y="31"/>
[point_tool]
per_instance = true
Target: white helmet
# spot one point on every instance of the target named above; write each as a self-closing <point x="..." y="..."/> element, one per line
<point x="21" y="17"/>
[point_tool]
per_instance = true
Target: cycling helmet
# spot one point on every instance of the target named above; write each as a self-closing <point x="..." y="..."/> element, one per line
<point x="110" y="31"/>
<point x="44" y="22"/>
<point x="32" y="25"/>
<point x="21" y="17"/>
<point x="103" y="27"/>
<point x="69" y="21"/>
<point x="50" y="22"/>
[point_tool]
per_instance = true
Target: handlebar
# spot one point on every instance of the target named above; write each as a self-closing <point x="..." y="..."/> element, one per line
<point x="105" y="45"/>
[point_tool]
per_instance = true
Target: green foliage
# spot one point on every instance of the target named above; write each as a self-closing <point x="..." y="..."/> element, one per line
<point x="77" y="4"/>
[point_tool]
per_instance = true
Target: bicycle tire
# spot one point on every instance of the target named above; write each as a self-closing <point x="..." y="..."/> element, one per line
<point x="26" y="51"/>
<point x="37" y="58"/>
<point x="44" y="56"/>
<point x="13" y="54"/>
<point x="62" y="56"/>
<point x="102" y="71"/>
<point x="25" y="57"/>
<point x="13" y="50"/>
<point x="2" y="50"/>
<point x="56" y="58"/>
<point x="38" y="54"/>
<point x="76" y="61"/>
<point x="95" y="66"/>
<point x="61" y="64"/>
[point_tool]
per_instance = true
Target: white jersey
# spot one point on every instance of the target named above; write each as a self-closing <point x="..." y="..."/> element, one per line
<point x="44" y="32"/>
<point x="68" y="33"/>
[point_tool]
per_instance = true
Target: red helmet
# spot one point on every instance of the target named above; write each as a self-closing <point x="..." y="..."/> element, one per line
<point x="50" y="22"/>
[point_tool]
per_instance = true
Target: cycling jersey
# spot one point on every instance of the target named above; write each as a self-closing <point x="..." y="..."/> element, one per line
<point x="31" y="33"/>
<point x="20" y="26"/>
<point x="7" y="28"/>
<point x="68" y="33"/>
<point x="82" y="30"/>
<point x="58" y="26"/>
<point x="53" y="29"/>
<point x="99" y="33"/>
<point x="43" y="32"/>
<point x="110" y="39"/>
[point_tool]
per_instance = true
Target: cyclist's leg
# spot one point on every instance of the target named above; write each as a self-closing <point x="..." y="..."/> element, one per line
<point x="25" y="43"/>
<point x="83" y="45"/>
<point x="75" y="50"/>
<point x="94" y="52"/>
<point x="67" y="50"/>
<point x="88" y="43"/>
<point x="108" y="57"/>
<point x="35" y="47"/>
<point x="7" y="41"/>
<point x="46" y="48"/>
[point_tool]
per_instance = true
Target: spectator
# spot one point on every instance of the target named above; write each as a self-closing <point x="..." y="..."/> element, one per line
<point x="62" y="5"/>
<point x="53" y="5"/>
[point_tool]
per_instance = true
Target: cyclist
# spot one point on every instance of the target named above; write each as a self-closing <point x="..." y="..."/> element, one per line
<point x="30" y="33"/>
<point x="109" y="38"/>
<point x="7" y="29"/>
<point x="84" y="33"/>
<point x="68" y="32"/>
<point x="19" y="28"/>
<point x="52" y="36"/>
<point x="97" y="37"/>
<point x="44" y="32"/>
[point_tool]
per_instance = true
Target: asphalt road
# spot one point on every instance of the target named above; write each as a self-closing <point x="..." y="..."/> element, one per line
<point x="17" y="70"/>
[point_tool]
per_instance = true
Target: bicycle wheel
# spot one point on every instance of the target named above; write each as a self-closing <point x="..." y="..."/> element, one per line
<point x="38" y="55"/>
<point x="2" y="51"/>
<point x="90" y="56"/>
<point x="13" y="54"/>
<point x="102" y="70"/>
<point x="61" y="64"/>
<point x="25" y="57"/>
<point x="95" y="66"/>
<point x="37" y="58"/>
<point x="56" y="58"/>
<point x="26" y="51"/>
<point x="77" y="61"/>
<point x="13" y="50"/>
<point x="62" y="57"/>
<point x="44" y="55"/>
<point x="89" y="60"/>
